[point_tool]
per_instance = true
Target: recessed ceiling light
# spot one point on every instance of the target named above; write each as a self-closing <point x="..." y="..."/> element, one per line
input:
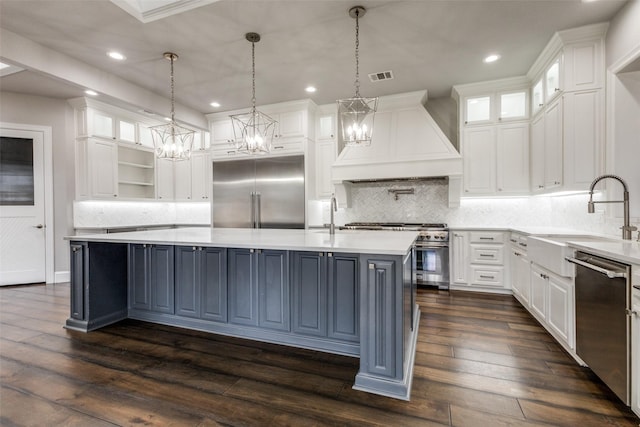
<point x="491" y="58"/>
<point x="91" y="92"/>
<point x="168" y="119"/>
<point x="215" y="104"/>
<point x="310" y="89"/>
<point x="116" y="55"/>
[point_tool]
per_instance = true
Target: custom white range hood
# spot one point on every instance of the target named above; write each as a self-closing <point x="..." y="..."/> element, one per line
<point x="407" y="144"/>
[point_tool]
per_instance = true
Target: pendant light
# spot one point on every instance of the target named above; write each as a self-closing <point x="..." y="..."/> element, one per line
<point x="356" y="114"/>
<point x="254" y="130"/>
<point x="172" y="141"/>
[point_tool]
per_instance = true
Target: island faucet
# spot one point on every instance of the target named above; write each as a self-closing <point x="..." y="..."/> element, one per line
<point x="332" y="209"/>
<point x="626" y="228"/>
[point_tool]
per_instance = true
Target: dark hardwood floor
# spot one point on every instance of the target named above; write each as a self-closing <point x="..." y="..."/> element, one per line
<point x="482" y="361"/>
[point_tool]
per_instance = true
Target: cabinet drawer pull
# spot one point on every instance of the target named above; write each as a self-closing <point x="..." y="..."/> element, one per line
<point x="513" y="240"/>
<point x="487" y="255"/>
<point x="482" y="276"/>
<point x="486" y="238"/>
<point x="278" y="147"/>
<point x="524" y="245"/>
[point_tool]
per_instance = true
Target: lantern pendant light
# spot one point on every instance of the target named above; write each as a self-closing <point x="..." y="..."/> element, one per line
<point x="172" y="141"/>
<point x="356" y="114"/>
<point x="254" y="130"/>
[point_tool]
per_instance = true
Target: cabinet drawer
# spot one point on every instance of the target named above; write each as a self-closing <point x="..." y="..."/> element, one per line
<point x="486" y="237"/>
<point x="487" y="254"/>
<point x="487" y="276"/>
<point x="287" y="146"/>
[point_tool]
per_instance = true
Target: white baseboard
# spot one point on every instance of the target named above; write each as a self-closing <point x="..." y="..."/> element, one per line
<point x="61" y="276"/>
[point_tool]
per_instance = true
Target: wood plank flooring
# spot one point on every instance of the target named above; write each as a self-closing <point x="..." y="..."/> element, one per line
<point x="482" y="360"/>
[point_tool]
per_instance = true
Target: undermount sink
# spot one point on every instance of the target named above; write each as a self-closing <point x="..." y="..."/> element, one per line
<point x="550" y="252"/>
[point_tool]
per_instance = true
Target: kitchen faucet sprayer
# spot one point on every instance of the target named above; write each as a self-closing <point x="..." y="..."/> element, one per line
<point x="333" y="208"/>
<point x="626" y="228"/>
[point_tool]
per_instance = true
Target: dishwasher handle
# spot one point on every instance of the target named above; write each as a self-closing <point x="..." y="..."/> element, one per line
<point x="609" y="273"/>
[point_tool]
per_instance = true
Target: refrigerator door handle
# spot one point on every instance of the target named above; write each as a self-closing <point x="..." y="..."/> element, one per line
<point x="253" y="210"/>
<point x="258" y="219"/>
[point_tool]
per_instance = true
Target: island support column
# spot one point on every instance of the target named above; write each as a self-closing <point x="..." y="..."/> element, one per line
<point x="388" y="326"/>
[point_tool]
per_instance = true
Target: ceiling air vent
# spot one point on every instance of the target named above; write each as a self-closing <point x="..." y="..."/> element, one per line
<point x="378" y="77"/>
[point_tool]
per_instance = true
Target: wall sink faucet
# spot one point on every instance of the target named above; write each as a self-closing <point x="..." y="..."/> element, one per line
<point x="626" y="228"/>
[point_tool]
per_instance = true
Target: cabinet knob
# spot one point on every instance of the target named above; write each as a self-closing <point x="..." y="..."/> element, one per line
<point x="557" y="89"/>
<point x="372" y="266"/>
<point x="330" y="254"/>
<point x="540" y="105"/>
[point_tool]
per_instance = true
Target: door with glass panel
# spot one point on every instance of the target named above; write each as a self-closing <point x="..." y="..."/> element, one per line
<point x="22" y="234"/>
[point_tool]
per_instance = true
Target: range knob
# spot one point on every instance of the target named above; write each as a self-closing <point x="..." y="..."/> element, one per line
<point x="428" y="236"/>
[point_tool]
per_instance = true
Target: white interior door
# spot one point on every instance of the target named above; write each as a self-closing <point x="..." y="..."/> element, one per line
<point x="22" y="213"/>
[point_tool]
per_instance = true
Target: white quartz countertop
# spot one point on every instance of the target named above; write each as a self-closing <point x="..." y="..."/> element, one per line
<point x="350" y="241"/>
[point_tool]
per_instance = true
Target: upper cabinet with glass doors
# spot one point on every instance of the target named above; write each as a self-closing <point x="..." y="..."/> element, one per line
<point x="496" y="107"/>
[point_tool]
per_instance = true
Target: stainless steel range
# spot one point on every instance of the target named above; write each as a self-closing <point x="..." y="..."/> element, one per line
<point x="430" y="253"/>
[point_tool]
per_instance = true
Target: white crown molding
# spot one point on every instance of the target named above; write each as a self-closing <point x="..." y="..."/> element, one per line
<point x="149" y="11"/>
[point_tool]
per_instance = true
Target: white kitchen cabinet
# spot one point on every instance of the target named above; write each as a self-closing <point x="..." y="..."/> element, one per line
<point x="560" y="315"/>
<point x="479" y="160"/>
<point x="512" y="159"/>
<point x="459" y="257"/>
<point x="102" y="168"/>
<point x="182" y="187"/>
<point x="290" y="124"/>
<point x="326" y="124"/>
<point x="537" y="154"/>
<point x="512" y="105"/>
<point x="193" y="177"/>
<point x="553" y="144"/>
<point x="478" y="261"/>
<point x="552" y="304"/>
<point x="552" y="80"/>
<point x="101" y="124"/>
<point x="583" y="136"/>
<point x="520" y="268"/>
<point x="325" y="156"/>
<point x="584" y="64"/>
<point x="164" y="179"/>
<point x="537" y="97"/>
<point x="478" y="109"/>
<point x="547" y="148"/>
<point x="539" y="291"/>
<point x="496" y="160"/>
<point x="201" y="176"/>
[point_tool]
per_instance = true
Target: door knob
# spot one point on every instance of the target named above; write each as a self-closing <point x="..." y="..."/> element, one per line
<point x="38" y="226"/>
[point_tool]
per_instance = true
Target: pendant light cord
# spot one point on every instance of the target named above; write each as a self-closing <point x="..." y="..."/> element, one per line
<point x="173" y="113"/>
<point x="253" y="78"/>
<point x="357" y="82"/>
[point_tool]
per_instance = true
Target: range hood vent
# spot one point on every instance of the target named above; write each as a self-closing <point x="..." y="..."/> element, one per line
<point x="407" y="144"/>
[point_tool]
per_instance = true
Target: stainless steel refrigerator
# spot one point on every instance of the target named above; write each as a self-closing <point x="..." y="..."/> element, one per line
<point x="259" y="193"/>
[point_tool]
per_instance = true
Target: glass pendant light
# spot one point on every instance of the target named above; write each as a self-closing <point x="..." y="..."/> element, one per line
<point x="254" y="130"/>
<point x="172" y="141"/>
<point x="356" y="114"/>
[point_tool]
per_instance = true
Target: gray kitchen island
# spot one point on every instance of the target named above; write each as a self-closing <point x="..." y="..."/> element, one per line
<point x="350" y="293"/>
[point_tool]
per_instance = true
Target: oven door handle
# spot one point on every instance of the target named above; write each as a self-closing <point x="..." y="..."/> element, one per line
<point x="609" y="273"/>
<point x="427" y="246"/>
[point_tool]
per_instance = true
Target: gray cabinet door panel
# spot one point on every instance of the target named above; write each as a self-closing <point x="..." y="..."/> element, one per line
<point x="78" y="280"/>
<point x="139" y="280"/>
<point x="344" y="297"/>
<point x="273" y="289"/>
<point x="309" y="289"/>
<point x="214" y="284"/>
<point x="243" y="295"/>
<point x="162" y="279"/>
<point x="187" y="281"/>
<point x="383" y="328"/>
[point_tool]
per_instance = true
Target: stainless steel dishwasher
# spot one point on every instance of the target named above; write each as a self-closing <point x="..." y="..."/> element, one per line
<point x="603" y="333"/>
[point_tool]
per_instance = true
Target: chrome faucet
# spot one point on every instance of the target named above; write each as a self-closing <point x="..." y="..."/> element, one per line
<point x="332" y="209"/>
<point x="626" y="228"/>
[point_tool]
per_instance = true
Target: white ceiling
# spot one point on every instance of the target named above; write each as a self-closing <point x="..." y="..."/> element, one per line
<point x="428" y="44"/>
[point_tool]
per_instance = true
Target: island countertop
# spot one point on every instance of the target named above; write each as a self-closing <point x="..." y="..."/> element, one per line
<point x="349" y="241"/>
